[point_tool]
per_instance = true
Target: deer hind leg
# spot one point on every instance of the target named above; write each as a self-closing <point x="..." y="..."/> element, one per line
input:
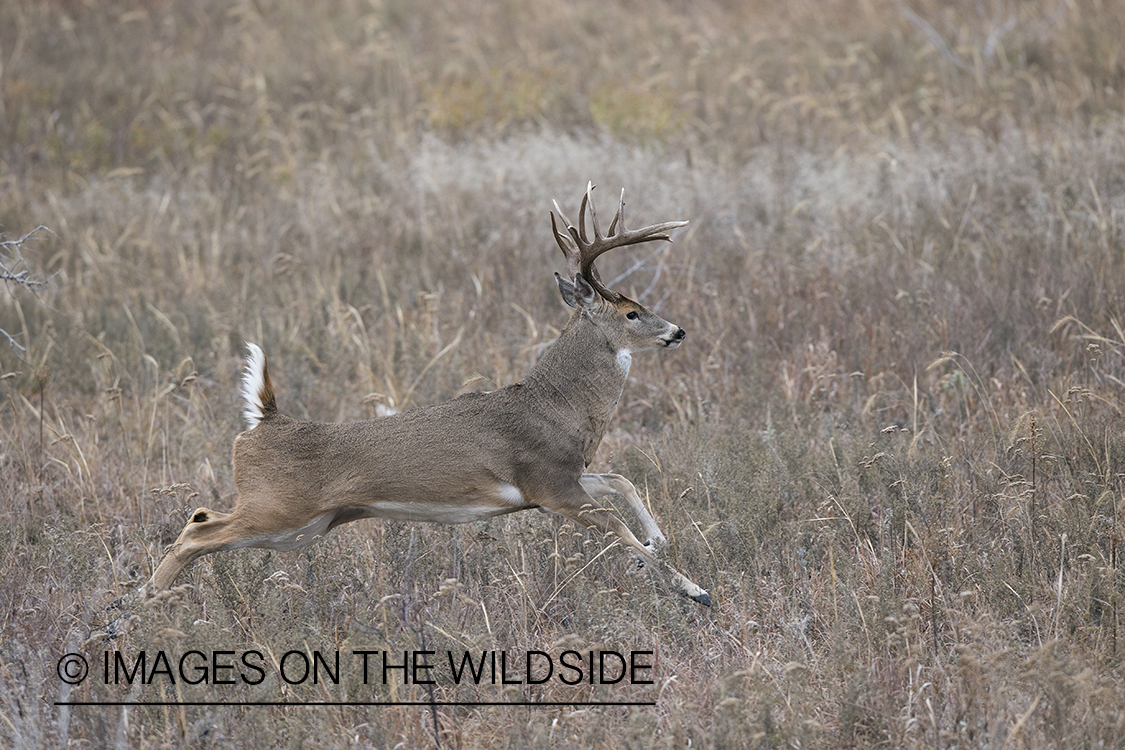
<point x="260" y="519"/>
<point x="586" y="513"/>
<point x="207" y="531"/>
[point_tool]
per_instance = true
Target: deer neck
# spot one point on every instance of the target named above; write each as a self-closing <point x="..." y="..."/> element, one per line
<point x="581" y="377"/>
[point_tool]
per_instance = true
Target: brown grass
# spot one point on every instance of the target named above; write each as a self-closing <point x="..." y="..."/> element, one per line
<point x="891" y="447"/>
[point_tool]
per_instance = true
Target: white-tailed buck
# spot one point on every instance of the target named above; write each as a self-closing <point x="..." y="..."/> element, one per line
<point x="480" y="455"/>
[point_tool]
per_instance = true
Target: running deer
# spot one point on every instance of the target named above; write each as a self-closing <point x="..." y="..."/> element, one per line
<point x="480" y="455"/>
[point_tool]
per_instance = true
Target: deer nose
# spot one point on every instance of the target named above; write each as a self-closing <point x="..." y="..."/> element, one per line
<point x="679" y="334"/>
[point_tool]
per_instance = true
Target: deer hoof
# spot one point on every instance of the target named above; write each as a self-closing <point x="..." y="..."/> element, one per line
<point x="640" y="561"/>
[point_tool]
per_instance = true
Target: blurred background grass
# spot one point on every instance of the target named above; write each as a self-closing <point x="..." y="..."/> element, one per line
<point x="890" y="448"/>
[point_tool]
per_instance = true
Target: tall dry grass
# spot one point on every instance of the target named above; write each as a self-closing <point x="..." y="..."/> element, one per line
<point x="890" y="447"/>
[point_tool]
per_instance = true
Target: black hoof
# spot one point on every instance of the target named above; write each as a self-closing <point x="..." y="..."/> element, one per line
<point x="703" y="599"/>
<point x="641" y="562"/>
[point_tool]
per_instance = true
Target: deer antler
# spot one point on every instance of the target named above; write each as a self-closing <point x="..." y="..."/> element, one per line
<point x="580" y="252"/>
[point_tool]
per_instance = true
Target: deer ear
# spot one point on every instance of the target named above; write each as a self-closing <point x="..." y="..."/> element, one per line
<point x="578" y="294"/>
<point x="566" y="289"/>
<point x="584" y="294"/>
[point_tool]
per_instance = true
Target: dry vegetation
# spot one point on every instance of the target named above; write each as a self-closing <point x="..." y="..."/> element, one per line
<point x="891" y="447"/>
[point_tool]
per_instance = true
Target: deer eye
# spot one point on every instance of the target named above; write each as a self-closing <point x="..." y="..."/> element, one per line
<point x="631" y="315"/>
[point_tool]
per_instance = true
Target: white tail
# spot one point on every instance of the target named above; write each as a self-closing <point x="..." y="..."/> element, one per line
<point x="480" y="455"/>
<point x="256" y="391"/>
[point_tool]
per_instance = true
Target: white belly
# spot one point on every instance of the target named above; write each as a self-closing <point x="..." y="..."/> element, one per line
<point x="438" y="512"/>
<point x="504" y="498"/>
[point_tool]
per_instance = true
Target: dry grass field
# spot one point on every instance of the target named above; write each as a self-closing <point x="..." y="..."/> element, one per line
<point x="891" y="447"/>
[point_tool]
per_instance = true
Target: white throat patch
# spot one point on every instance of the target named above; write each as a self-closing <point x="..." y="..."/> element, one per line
<point x="624" y="359"/>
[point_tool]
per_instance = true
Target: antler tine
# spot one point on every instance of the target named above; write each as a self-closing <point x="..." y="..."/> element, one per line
<point x="566" y="243"/>
<point x="579" y="237"/>
<point x="589" y="198"/>
<point x="565" y="221"/>
<point x="582" y="213"/>
<point x="619" y="216"/>
<point x="648" y="234"/>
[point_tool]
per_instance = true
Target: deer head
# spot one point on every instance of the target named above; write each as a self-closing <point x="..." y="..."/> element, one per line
<point x="628" y="324"/>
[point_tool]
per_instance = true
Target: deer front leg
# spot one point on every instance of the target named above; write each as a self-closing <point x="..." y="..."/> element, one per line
<point x="600" y="485"/>
<point x="582" y="509"/>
